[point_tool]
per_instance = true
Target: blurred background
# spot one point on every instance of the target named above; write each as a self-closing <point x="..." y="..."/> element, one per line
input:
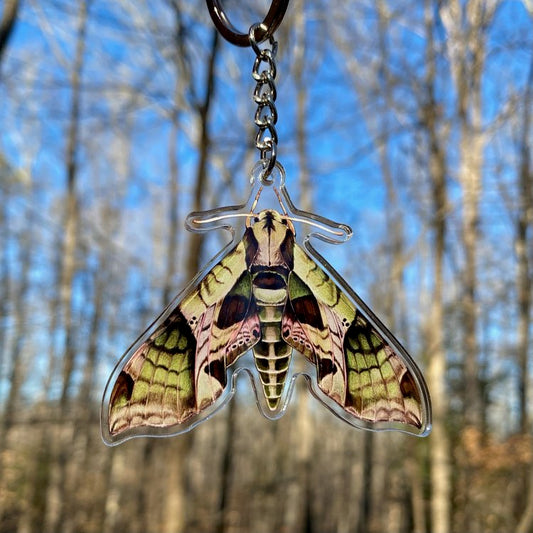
<point x="410" y="120"/>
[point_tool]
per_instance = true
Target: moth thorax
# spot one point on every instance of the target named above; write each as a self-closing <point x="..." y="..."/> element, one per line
<point x="269" y="255"/>
<point x="270" y="234"/>
<point x="269" y="288"/>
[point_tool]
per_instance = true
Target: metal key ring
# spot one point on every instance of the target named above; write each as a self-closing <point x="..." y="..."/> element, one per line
<point x="230" y="33"/>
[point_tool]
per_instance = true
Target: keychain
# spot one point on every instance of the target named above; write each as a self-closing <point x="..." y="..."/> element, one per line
<point x="265" y="299"/>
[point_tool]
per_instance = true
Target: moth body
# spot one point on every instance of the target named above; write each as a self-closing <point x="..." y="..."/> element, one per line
<point x="270" y="268"/>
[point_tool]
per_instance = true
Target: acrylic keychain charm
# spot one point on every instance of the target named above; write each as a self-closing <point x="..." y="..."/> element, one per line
<point x="263" y="300"/>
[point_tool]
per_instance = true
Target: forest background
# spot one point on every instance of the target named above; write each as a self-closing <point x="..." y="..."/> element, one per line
<point x="410" y="120"/>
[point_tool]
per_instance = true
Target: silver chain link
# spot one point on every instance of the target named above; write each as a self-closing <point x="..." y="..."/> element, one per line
<point x="266" y="116"/>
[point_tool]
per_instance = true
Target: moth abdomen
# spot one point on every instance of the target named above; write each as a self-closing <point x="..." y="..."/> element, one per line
<point x="272" y="354"/>
<point x="272" y="360"/>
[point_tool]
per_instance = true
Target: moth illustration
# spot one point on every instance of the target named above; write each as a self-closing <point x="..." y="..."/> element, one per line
<point x="267" y="295"/>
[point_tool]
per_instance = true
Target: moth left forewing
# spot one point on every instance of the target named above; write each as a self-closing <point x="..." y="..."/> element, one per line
<point x="225" y="331"/>
<point x="209" y="362"/>
<point x="178" y="367"/>
<point x="360" y="365"/>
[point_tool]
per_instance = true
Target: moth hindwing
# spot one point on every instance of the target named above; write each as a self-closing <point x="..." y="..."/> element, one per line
<point x="267" y="294"/>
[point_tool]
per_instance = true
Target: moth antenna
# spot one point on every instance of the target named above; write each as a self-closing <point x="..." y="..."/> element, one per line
<point x="284" y="209"/>
<point x="252" y="208"/>
<point x="282" y="205"/>
<point x="256" y="199"/>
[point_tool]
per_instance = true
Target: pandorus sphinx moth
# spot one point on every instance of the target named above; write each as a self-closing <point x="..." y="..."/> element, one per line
<point x="266" y="295"/>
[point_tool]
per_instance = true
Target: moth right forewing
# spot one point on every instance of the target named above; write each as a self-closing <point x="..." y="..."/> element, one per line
<point x="180" y="369"/>
<point x="382" y="383"/>
<point x="310" y="326"/>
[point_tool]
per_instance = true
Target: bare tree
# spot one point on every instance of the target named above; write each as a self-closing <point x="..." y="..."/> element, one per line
<point x="436" y="141"/>
<point x="524" y="221"/>
<point x="523" y="241"/>
<point x="58" y="488"/>
<point x="7" y="23"/>
<point x="203" y="109"/>
<point x="175" y="493"/>
<point x="71" y="220"/>
<point x="466" y="25"/>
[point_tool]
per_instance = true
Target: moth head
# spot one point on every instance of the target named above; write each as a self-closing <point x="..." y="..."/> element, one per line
<point x="270" y="223"/>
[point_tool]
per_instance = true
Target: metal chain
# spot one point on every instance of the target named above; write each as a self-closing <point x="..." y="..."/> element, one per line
<point x="266" y="116"/>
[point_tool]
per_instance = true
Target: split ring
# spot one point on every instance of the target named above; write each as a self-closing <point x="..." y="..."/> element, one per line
<point x="264" y="31"/>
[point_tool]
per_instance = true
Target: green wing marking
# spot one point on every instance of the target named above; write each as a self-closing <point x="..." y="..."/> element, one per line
<point x="156" y="386"/>
<point x="380" y="387"/>
<point x="180" y="369"/>
<point x="364" y="372"/>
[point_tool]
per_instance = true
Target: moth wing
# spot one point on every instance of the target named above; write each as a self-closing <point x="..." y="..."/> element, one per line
<point x="180" y="369"/>
<point x="360" y="365"/>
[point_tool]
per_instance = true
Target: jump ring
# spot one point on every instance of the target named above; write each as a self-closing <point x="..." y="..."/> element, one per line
<point x="230" y="33"/>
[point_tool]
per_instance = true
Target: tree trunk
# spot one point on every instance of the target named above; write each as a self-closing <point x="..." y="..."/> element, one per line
<point x="524" y="221"/>
<point x="466" y="27"/>
<point x="440" y="444"/>
<point x="58" y="490"/>
<point x="175" y="487"/>
<point x="7" y="24"/>
<point x="16" y="356"/>
<point x="174" y="222"/>
<point x="196" y="240"/>
<point x="523" y="245"/>
<point x="5" y="270"/>
<point x="71" y="221"/>
<point x="302" y="98"/>
<point x="18" y="362"/>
